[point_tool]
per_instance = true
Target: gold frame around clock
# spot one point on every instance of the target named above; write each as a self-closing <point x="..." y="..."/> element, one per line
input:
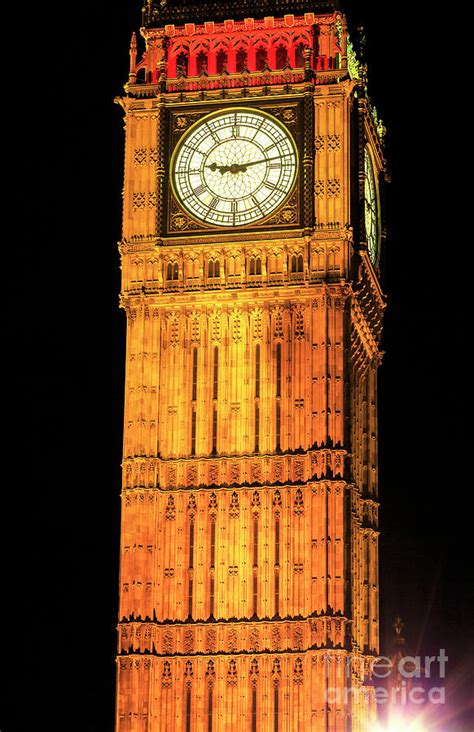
<point x="287" y="215"/>
<point x="368" y="154"/>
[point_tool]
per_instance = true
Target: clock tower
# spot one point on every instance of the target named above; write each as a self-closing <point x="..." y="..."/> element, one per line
<point x="250" y="281"/>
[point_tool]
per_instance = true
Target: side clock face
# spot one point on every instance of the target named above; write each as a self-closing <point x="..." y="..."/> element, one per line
<point x="234" y="167"/>
<point x="371" y="209"/>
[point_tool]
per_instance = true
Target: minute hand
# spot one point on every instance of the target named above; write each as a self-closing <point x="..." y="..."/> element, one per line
<point x="256" y="162"/>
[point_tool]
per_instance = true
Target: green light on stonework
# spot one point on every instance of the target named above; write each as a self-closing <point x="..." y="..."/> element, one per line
<point x="379" y="125"/>
<point x="352" y="62"/>
<point x="339" y="32"/>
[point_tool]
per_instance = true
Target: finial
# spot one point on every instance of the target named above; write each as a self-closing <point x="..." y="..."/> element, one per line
<point x="133" y="42"/>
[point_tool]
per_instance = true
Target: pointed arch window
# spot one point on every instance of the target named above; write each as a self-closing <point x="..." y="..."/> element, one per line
<point x="182" y="64"/>
<point x="255" y="266"/>
<point x="241" y="60"/>
<point x="172" y="271"/>
<point x="201" y="63"/>
<point x="296" y="263"/>
<point x="299" y="56"/>
<point x="281" y="57"/>
<point x="261" y="58"/>
<point x="213" y="268"/>
<point x="221" y="62"/>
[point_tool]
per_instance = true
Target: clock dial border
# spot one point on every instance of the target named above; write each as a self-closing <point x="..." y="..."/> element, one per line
<point x="178" y="221"/>
<point x="368" y="155"/>
<point x="251" y="120"/>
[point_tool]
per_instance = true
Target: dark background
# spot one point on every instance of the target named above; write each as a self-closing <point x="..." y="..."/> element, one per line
<point x="64" y="353"/>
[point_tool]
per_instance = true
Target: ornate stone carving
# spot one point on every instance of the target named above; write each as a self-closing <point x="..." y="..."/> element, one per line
<point x="298" y="636"/>
<point x="138" y="200"/>
<point x="140" y="156"/>
<point x="188" y="673"/>
<point x="232" y="673"/>
<point x="298" y="671"/>
<point x="254" y="638"/>
<point x="166" y="679"/>
<point x="188" y="640"/>
<point x="275" y="638"/>
<point x="232" y="640"/>
<point x="276" y="671"/>
<point x="234" y="472"/>
<point x="234" y="510"/>
<point x="167" y="642"/>
<point x="333" y="188"/>
<point x="211" y="640"/>
<point x="170" y="512"/>
<point x="254" y="672"/>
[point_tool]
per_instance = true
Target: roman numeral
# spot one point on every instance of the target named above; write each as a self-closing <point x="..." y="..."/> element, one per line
<point x="213" y="134"/>
<point x="200" y="189"/>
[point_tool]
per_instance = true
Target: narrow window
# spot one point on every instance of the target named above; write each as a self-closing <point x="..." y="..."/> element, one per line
<point x="258" y="266"/>
<point x="210" y="709"/>
<point x="278" y="370"/>
<point x="275" y="708"/>
<point x="299" y="264"/>
<point x="252" y="266"/>
<point x="214" y="431"/>
<point x="191" y="566"/>
<point x="195" y="374"/>
<point x="216" y="268"/>
<point x="175" y="271"/>
<point x="212" y="567"/>
<point x="188" y="709"/>
<point x="254" y="708"/>
<point x="257" y="397"/>
<point x="215" y="373"/>
<point x="210" y="269"/>
<point x="278" y="427"/>
<point x="169" y="272"/>
<point x="257" y="428"/>
<point x="255" y="565"/>
<point x="257" y="371"/>
<point x="277" y="566"/>
<point x="193" y="432"/>
<point x="293" y="263"/>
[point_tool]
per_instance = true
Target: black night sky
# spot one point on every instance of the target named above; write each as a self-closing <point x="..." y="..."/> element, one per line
<point x="64" y="353"/>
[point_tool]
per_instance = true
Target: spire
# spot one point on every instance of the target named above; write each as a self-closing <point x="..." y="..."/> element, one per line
<point x="132" y="75"/>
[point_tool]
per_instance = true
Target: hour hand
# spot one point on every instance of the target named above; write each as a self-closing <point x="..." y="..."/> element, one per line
<point x="213" y="167"/>
<point x="234" y="168"/>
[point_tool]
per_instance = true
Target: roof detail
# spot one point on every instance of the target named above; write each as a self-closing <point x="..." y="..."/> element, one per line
<point x="173" y="11"/>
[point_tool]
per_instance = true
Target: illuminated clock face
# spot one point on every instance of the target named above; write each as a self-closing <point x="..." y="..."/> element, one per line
<point x="371" y="209"/>
<point x="234" y="167"/>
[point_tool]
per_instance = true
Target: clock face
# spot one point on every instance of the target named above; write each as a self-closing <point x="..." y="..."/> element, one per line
<point x="234" y="167"/>
<point x="371" y="209"/>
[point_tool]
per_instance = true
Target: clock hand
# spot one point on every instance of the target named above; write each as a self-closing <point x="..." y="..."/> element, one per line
<point x="239" y="167"/>
<point x="234" y="168"/>
<point x="244" y="166"/>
